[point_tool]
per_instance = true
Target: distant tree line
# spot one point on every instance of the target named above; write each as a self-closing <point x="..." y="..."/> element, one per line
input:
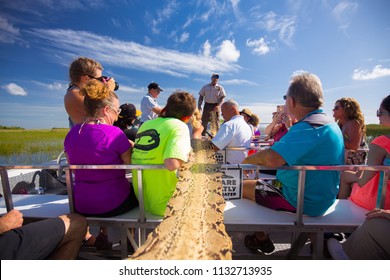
<point x="11" y="127"/>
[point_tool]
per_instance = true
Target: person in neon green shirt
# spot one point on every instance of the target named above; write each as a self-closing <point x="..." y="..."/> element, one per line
<point x="165" y="140"/>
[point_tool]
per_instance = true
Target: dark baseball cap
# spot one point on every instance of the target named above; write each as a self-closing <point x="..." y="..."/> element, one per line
<point x="154" y="86"/>
<point x="128" y="110"/>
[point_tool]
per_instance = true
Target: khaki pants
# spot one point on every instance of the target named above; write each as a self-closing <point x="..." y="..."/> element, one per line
<point x="371" y="241"/>
<point x="207" y="109"/>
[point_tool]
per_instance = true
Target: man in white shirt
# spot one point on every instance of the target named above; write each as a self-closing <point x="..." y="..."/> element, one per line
<point x="234" y="132"/>
<point x="213" y="95"/>
<point x="149" y="106"/>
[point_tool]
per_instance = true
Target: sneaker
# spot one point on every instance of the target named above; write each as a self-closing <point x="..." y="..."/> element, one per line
<point x="336" y="249"/>
<point x="265" y="246"/>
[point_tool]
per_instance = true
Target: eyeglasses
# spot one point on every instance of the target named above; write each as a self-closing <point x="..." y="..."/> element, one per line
<point x="116" y="111"/>
<point x="216" y="76"/>
<point x="381" y="113"/>
<point x="335" y="108"/>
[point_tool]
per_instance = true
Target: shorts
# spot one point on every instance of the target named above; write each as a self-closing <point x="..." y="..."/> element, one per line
<point x="271" y="197"/>
<point x="33" y="241"/>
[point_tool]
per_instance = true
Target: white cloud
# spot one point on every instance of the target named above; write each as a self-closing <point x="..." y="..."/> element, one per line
<point x="376" y="73"/>
<point x="53" y="86"/>
<point x="207" y="49"/>
<point x="132" y="55"/>
<point x="343" y="10"/>
<point x="236" y="11"/>
<point x="162" y="15"/>
<point x="184" y="37"/>
<point x="228" y="51"/>
<point x="239" y="82"/>
<point x="14" y="89"/>
<point x="259" y="46"/>
<point x="284" y="25"/>
<point x="8" y="33"/>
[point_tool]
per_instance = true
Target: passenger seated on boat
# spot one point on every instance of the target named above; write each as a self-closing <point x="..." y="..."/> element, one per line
<point x="281" y="123"/>
<point x="314" y="140"/>
<point x="165" y="140"/>
<point x="362" y="187"/>
<point x="370" y="241"/>
<point x="102" y="193"/>
<point x="128" y="120"/>
<point x="234" y="132"/>
<point x="195" y="125"/>
<point x="350" y="118"/>
<point x="57" y="238"/>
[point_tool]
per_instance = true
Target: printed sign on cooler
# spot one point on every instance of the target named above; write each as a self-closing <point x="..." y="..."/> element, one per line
<point x="231" y="183"/>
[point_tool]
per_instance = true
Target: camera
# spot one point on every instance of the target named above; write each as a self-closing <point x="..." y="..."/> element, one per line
<point x="104" y="79"/>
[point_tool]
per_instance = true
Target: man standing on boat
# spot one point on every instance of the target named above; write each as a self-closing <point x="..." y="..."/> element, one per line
<point x="149" y="106"/>
<point x="213" y="95"/>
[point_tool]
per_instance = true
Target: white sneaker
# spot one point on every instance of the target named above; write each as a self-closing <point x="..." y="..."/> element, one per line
<point x="336" y="249"/>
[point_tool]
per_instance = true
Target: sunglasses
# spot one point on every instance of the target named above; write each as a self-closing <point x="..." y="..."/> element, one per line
<point x="92" y="77"/>
<point x="216" y="76"/>
<point x="335" y="108"/>
<point x="381" y="113"/>
<point x="285" y="96"/>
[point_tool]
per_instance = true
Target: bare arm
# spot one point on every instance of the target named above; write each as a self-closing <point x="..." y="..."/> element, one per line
<point x="274" y="126"/>
<point x="126" y="156"/>
<point x="267" y="157"/>
<point x="11" y="220"/>
<point x="221" y="100"/>
<point x="352" y="135"/>
<point x="157" y="110"/>
<point x="172" y="163"/>
<point x="200" y="102"/>
<point x="375" y="157"/>
<point x="74" y="105"/>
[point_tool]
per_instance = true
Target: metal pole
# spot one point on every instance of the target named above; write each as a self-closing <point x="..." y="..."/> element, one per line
<point x="6" y="190"/>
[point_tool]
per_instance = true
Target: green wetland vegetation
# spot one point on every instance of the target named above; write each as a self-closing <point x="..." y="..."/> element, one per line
<point x="22" y="146"/>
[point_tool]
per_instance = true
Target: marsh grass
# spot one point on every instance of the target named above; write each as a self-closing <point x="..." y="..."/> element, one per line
<point x="19" y="146"/>
<point x="31" y="146"/>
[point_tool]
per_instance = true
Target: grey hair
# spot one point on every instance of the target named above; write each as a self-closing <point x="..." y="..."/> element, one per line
<point x="232" y="103"/>
<point x="306" y="89"/>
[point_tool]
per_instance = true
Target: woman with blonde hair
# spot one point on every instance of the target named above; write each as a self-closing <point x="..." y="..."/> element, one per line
<point x="195" y="125"/>
<point x="348" y="115"/>
<point x="362" y="187"/>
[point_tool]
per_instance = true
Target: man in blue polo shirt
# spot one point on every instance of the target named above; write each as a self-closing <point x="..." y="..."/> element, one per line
<point x="314" y="140"/>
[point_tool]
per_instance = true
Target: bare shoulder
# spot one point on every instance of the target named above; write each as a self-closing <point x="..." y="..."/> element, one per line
<point x="352" y="125"/>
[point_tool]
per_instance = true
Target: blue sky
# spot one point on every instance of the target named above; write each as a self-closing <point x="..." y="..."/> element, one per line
<point x="255" y="46"/>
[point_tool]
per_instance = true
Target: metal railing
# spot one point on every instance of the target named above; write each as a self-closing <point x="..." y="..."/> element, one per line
<point x="301" y="178"/>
